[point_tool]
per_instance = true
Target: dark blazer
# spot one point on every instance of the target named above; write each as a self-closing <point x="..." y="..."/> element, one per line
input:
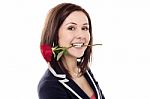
<point x="56" y="85"/>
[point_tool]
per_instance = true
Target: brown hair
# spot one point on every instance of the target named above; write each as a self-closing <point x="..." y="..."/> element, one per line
<point x="54" y="20"/>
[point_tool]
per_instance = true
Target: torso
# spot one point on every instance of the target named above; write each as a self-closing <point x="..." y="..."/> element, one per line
<point x="84" y="85"/>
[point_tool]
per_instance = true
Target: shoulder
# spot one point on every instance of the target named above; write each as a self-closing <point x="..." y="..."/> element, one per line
<point x="50" y="88"/>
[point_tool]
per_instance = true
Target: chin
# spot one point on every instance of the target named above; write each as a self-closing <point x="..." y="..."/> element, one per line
<point x="77" y="55"/>
<point x="76" y="52"/>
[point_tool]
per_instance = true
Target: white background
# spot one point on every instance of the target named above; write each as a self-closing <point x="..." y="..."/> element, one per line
<point x="121" y="65"/>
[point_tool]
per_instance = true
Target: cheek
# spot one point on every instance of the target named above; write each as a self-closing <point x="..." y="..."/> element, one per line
<point x="88" y="37"/>
<point x="63" y="39"/>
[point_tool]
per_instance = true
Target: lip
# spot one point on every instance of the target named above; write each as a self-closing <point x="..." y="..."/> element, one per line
<point x="78" y="44"/>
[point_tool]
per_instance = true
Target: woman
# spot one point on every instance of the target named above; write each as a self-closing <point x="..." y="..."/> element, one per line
<point x="68" y="31"/>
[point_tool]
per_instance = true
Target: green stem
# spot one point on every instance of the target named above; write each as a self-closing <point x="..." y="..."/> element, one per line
<point x="59" y="48"/>
<point x="92" y="45"/>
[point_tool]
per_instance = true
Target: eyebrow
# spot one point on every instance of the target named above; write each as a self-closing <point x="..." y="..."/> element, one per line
<point x="86" y="24"/>
<point x="76" y="23"/>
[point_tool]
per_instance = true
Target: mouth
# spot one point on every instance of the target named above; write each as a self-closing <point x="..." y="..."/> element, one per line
<point x="77" y="45"/>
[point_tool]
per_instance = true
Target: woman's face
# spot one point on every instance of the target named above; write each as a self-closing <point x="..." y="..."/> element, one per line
<point x="75" y="31"/>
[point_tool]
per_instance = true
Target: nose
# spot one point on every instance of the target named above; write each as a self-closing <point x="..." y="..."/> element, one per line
<point x="80" y="35"/>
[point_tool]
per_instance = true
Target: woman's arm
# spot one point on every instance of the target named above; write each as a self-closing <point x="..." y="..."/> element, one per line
<point x="51" y="90"/>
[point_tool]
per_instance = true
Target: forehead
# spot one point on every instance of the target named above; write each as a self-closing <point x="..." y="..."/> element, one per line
<point x="77" y="17"/>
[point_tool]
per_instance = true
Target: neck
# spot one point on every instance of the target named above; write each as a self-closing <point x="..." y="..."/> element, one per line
<point x="70" y="63"/>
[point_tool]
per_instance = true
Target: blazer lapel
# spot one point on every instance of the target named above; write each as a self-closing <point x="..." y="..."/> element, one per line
<point x="64" y="81"/>
<point x="72" y="86"/>
<point x="69" y="88"/>
<point x="55" y="74"/>
<point x="92" y="82"/>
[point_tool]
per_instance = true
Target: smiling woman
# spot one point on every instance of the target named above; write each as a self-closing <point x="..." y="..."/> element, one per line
<point x="67" y="34"/>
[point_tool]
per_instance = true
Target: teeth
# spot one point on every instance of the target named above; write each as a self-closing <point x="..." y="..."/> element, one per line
<point x="77" y="45"/>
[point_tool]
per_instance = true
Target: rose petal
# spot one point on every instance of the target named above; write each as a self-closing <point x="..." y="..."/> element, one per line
<point x="46" y="51"/>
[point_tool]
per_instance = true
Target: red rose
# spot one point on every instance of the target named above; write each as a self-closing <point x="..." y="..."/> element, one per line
<point x="46" y="51"/>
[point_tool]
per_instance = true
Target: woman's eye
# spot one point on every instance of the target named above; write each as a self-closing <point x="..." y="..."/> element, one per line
<point x="71" y="28"/>
<point x="85" y="28"/>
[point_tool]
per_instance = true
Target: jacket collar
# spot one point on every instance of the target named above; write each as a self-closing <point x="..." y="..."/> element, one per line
<point x="68" y="83"/>
<point x="63" y="80"/>
<point x="55" y="74"/>
<point x="92" y="80"/>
